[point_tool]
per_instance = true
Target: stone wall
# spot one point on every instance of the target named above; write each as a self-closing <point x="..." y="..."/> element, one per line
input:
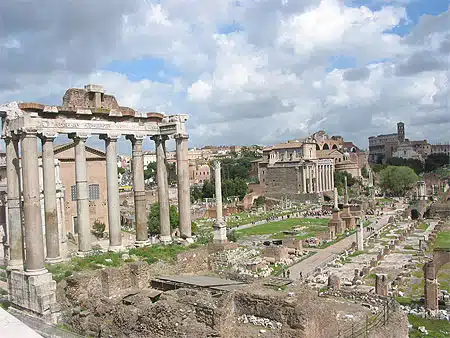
<point x="282" y="180"/>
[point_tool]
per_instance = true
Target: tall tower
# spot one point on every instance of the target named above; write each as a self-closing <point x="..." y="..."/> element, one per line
<point x="401" y="132"/>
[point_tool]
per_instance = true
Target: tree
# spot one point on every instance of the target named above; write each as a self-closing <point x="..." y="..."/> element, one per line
<point x="196" y="193"/>
<point x="398" y="180"/>
<point x="259" y="201"/>
<point x="154" y="223"/>
<point x="208" y="189"/>
<point x="414" y="164"/>
<point x="150" y="172"/>
<point x="121" y="170"/>
<point x="435" y="161"/>
<point x="365" y="172"/>
<point x="339" y="180"/>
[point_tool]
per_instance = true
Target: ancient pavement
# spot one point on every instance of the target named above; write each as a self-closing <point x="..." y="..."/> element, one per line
<point x="308" y="265"/>
<point x="11" y="327"/>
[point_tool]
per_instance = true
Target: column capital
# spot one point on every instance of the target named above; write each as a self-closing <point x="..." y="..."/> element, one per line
<point x="27" y="132"/>
<point x="160" y="138"/>
<point x="216" y="164"/>
<point x="135" y="138"/>
<point x="181" y="136"/>
<point x="48" y="136"/>
<point x="79" y="136"/>
<point x="110" y="137"/>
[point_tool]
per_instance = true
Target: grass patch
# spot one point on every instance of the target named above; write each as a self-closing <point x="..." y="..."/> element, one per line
<point x="423" y="226"/>
<point x="312" y="227"/>
<point x="356" y="253"/>
<point x="150" y="254"/>
<point x="443" y="240"/>
<point x="436" y="328"/>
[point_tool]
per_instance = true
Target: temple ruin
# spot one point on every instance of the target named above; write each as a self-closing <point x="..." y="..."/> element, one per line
<point x="83" y="113"/>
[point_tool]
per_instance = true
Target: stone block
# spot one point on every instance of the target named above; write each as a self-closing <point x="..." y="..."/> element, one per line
<point x="278" y="253"/>
<point x="293" y="243"/>
<point x="334" y="282"/>
<point x="140" y="275"/>
<point x="381" y="284"/>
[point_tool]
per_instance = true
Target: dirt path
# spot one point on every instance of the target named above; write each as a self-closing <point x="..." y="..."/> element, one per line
<point x="326" y="255"/>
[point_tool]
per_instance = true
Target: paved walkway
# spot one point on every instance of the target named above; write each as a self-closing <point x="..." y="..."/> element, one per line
<point x="308" y="265"/>
<point x="11" y="327"/>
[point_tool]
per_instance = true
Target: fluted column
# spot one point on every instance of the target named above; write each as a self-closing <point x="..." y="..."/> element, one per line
<point x="52" y="239"/>
<point x="84" y="228"/>
<point x="139" y="191"/>
<point x="115" y="237"/>
<point x="332" y="176"/>
<point x="184" y="196"/>
<point x="163" y="188"/>
<point x="15" y="238"/>
<point x="320" y="177"/>
<point x="34" y="252"/>
<point x="311" y="180"/>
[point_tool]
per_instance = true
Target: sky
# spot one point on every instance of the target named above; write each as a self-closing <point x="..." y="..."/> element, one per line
<point x="246" y="71"/>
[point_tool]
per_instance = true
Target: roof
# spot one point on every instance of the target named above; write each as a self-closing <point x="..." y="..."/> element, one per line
<point x="291" y="145"/>
<point x="350" y="145"/>
<point x="325" y="153"/>
<point x="60" y="148"/>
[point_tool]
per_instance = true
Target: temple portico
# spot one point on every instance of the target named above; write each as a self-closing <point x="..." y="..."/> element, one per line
<point x="84" y="113"/>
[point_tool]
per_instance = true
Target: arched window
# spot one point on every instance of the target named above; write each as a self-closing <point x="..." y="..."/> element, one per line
<point x="325" y="147"/>
<point x="334" y="146"/>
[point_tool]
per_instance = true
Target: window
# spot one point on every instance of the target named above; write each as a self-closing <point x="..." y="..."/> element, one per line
<point x="73" y="192"/>
<point x="94" y="192"/>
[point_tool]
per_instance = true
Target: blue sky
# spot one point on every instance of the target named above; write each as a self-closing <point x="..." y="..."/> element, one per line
<point x="260" y="72"/>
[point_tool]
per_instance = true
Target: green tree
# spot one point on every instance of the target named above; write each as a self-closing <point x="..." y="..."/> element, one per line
<point x="208" y="189"/>
<point x="150" y="171"/>
<point x="414" y="164"/>
<point x="398" y="180"/>
<point x="121" y="170"/>
<point x="365" y="172"/>
<point x="196" y="193"/>
<point x="435" y="161"/>
<point x="339" y="180"/>
<point x="259" y="202"/>
<point x="378" y="167"/>
<point x="154" y="224"/>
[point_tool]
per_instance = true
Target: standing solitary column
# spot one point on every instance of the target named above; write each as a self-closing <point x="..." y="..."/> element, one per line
<point x="15" y="238"/>
<point x="359" y="236"/>
<point x="140" y="211"/>
<point x="184" y="196"/>
<point x="84" y="228"/>
<point x="34" y="254"/>
<point x="52" y="239"/>
<point x="163" y="188"/>
<point x="220" y="230"/>
<point x="331" y="176"/>
<point x="115" y="238"/>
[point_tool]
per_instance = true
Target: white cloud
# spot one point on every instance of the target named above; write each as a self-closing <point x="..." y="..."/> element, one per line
<point x="265" y="82"/>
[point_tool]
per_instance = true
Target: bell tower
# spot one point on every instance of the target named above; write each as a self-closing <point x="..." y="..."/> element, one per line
<point x="401" y="132"/>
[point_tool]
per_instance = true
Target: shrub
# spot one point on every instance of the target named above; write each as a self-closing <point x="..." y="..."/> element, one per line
<point x="98" y="229"/>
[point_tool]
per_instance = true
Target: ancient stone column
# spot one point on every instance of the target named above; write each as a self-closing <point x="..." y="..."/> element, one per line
<point x="220" y="230"/>
<point x="84" y="228"/>
<point x="52" y="239"/>
<point x="336" y="203"/>
<point x="34" y="252"/>
<point x="331" y="176"/>
<point x="359" y="236"/>
<point x="14" y="204"/>
<point x="345" y="191"/>
<point x="316" y="174"/>
<point x="184" y="196"/>
<point x="115" y="237"/>
<point x="304" y="179"/>
<point x="311" y="187"/>
<point x="163" y="188"/>
<point x="140" y="211"/>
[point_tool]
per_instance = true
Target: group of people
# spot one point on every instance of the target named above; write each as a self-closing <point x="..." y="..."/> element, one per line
<point x="287" y="274"/>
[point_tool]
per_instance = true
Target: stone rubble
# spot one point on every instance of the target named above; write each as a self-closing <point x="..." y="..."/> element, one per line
<point x="267" y="323"/>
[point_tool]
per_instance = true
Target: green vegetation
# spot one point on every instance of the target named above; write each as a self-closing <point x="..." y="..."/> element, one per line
<point x="435" y="328"/>
<point x="150" y="254"/>
<point x="443" y="240"/>
<point x="398" y="180"/>
<point x="436" y="161"/>
<point x="339" y="179"/>
<point x="154" y="221"/>
<point x="356" y="253"/>
<point x="98" y="229"/>
<point x="423" y="226"/>
<point x="415" y="165"/>
<point x="312" y="227"/>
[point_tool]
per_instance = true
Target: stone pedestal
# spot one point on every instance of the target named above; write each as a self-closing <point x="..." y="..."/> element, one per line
<point x="381" y="284"/>
<point x="220" y="233"/>
<point x="334" y="282"/>
<point x="35" y="294"/>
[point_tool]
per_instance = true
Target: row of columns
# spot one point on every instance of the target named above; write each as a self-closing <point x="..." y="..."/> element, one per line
<point x="324" y="178"/>
<point x="32" y="251"/>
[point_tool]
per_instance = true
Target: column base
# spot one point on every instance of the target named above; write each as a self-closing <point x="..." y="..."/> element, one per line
<point x="35" y="294"/>
<point x="55" y="260"/>
<point x="141" y="244"/>
<point x="116" y="248"/>
<point x="189" y="240"/>
<point x="165" y="239"/>
<point x="220" y="234"/>
<point x="35" y="272"/>
<point x="83" y="254"/>
<point x="15" y="265"/>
